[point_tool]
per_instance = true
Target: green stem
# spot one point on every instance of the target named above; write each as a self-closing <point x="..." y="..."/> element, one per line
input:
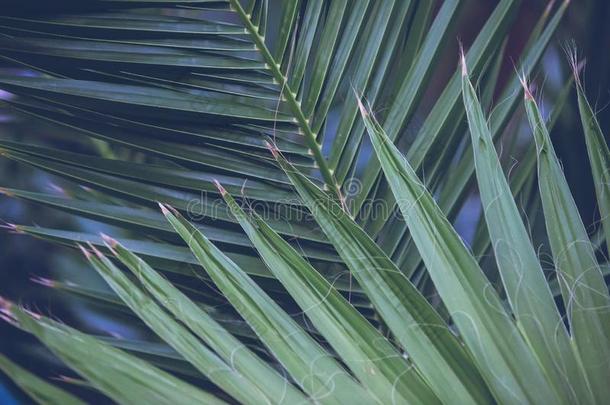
<point x="290" y="97"/>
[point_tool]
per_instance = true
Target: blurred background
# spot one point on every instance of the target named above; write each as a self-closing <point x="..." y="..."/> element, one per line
<point x="26" y="263"/>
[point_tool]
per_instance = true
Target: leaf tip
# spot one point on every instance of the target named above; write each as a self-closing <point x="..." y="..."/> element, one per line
<point x="164" y="209"/>
<point x="220" y="188"/>
<point x="58" y="189"/>
<point x="11" y="227"/>
<point x="527" y="94"/>
<point x="95" y="250"/>
<point x="84" y="251"/>
<point x="46" y="282"/>
<point x="5" y="305"/>
<point x="363" y="111"/>
<point x="66" y="379"/>
<point x="549" y="7"/>
<point x="273" y="149"/>
<point x="5" y="311"/>
<point x="109" y="241"/>
<point x="576" y="65"/>
<point x="6" y="192"/>
<point x="167" y="209"/>
<point x="463" y="61"/>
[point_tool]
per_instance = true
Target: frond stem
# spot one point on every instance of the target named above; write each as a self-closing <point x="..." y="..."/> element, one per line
<point x="290" y="97"/>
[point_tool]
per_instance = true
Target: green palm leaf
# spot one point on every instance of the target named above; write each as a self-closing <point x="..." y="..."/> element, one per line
<point x="599" y="154"/>
<point x="522" y="275"/>
<point x="121" y="376"/>
<point x="308" y="295"/>
<point x="582" y="285"/>
<point x="37" y="388"/>
<point x="491" y="336"/>
<point x="311" y="366"/>
<point x="420" y="330"/>
<point x="369" y="355"/>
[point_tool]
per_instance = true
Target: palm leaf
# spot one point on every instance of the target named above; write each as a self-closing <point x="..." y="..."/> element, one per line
<point x="420" y="330"/>
<point x="582" y="284"/>
<point x="121" y="376"/>
<point x="307" y="296"/>
<point x="37" y="388"/>
<point x="224" y="343"/>
<point x="491" y="336"/>
<point x="522" y="275"/>
<point x="599" y="154"/>
<point x="368" y="354"/>
<point x="284" y="338"/>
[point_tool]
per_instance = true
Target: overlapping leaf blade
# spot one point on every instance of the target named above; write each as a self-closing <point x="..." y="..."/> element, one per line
<point x="123" y="377"/>
<point x="176" y="335"/>
<point x="313" y="368"/>
<point x="448" y="107"/>
<point x="524" y="281"/>
<point x="436" y="352"/>
<point x="599" y="157"/>
<point x="372" y="359"/>
<point x="37" y="388"/>
<point x="234" y="353"/>
<point x="584" y="291"/>
<point x="501" y="353"/>
<point x="456" y="185"/>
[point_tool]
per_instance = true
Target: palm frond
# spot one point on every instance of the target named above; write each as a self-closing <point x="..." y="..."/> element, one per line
<point x="283" y="285"/>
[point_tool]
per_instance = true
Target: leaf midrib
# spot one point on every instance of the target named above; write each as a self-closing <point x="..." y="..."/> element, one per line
<point x="290" y="97"/>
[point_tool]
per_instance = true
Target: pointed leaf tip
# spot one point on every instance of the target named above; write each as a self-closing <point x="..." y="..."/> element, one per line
<point x="66" y="379"/>
<point x="220" y="188"/>
<point x="5" y="305"/>
<point x="362" y="107"/>
<point x="84" y="251"/>
<point x="272" y="148"/>
<point x="95" y="250"/>
<point x="164" y="209"/>
<point x="576" y="65"/>
<point x="57" y="188"/>
<point x="5" y="311"/>
<point x="549" y="7"/>
<point x="167" y="209"/>
<point x="11" y="227"/>
<point x="526" y="90"/>
<point x="463" y="61"/>
<point x="109" y="241"/>
<point x="43" y="281"/>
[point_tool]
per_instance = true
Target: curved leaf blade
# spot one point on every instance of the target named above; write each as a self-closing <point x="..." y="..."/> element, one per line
<point x="599" y="157"/>
<point x="436" y="352"/>
<point x="37" y="388"/>
<point x="498" y="348"/>
<point x="275" y="388"/>
<point x="522" y="275"/>
<point x="373" y="360"/>
<point x="123" y="377"/>
<point x="584" y="291"/>
<point x="310" y="365"/>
